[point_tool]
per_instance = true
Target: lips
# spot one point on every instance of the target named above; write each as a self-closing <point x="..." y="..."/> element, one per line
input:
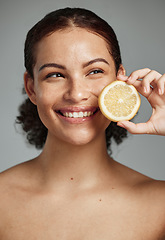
<point x="77" y="112"/>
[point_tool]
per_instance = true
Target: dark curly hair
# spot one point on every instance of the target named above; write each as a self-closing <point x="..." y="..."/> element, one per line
<point x="58" y="20"/>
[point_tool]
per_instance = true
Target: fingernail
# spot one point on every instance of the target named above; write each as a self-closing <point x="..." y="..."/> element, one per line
<point x="160" y="91"/>
<point x="145" y="89"/>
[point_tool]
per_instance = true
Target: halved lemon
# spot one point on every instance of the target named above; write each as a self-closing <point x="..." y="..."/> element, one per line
<point x="119" y="101"/>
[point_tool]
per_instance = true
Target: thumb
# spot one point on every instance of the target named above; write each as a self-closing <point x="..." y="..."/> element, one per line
<point x="139" y="128"/>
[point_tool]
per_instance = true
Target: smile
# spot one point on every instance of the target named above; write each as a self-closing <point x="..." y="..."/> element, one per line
<point x="77" y="114"/>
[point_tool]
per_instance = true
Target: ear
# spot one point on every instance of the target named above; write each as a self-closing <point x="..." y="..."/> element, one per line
<point x="29" y="87"/>
<point x="121" y="70"/>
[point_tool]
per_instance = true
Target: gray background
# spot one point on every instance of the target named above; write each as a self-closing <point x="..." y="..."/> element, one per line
<point x="140" y="26"/>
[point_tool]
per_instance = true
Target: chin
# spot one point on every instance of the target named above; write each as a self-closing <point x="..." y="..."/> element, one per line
<point x="79" y="141"/>
<point x="84" y="139"/>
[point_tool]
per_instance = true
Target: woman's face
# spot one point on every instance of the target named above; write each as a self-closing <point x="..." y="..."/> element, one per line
<point x="72" y="67"/>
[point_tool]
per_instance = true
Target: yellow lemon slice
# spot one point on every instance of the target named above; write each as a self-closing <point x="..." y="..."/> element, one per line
<point x="119" y="101"/>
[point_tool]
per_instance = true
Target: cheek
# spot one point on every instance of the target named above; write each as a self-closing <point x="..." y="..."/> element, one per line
<point x="45" y="108"/>
<point x="98" y="87"/>
<point x="46" y="95"/>
<point x="45" y="101"/>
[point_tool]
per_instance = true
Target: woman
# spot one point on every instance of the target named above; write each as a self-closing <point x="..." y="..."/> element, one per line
<point x="74" y="189"/>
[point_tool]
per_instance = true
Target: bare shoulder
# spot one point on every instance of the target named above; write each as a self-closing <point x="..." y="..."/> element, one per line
<point x="16" y="175"/>
<point x="15" y="180"/>
<point x="17" y="186"/>
<point x="152" y="194"/>
<point x="147" y="189"/>
<point x="139" y="180"/>
<point x="153" y="191"/>
<point x="147" y="195"/>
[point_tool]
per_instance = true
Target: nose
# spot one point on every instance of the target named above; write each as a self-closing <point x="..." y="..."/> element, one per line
<point x="76" y="92"/>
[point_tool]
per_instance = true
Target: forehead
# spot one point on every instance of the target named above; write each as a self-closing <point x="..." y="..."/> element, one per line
<point x="74" y="33"/>
<point x="72" y="41"/>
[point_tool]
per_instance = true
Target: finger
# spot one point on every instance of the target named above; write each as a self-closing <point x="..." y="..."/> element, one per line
<point x="150" y="79"/>
<point x="161" y="85"/>
<point x="138" y="74"/>
<point x="140" y="128"/>
<point x="138" y="85"/>
<point x="122" y="77"/>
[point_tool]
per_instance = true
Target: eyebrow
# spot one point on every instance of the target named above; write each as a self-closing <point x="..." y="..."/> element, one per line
<point x="55" y="65"/>
<point x="95" y="61"/>
<point x="50" y="65"/>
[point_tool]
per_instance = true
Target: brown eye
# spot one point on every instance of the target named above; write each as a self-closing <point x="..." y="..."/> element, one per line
<point x="54" y="75"/>
<point x="96" y="71"/>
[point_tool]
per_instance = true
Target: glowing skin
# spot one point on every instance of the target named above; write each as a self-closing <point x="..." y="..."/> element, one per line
<point x="73" y="185"/>
<point x="71" y="69"/>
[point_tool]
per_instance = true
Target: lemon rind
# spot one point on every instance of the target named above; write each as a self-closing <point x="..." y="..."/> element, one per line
<point x="110" y="116"/>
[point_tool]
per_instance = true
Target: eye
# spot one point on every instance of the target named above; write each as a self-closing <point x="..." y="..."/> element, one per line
<point x="54" y="75"/>
<point x="96" y="71"/>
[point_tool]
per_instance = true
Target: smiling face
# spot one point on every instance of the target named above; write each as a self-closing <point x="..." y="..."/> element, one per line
<point x="72" y="67"/>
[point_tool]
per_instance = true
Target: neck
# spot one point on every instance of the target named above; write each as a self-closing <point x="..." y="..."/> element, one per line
<point x="83" y="164"/>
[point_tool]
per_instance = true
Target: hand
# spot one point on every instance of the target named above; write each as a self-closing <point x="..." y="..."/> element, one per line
<point x="152" y="87"/>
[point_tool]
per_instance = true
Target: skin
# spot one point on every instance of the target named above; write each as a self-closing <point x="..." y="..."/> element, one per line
<point x="73" y="189"/>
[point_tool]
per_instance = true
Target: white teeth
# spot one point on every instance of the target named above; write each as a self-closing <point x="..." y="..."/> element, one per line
<point x="70" y="115"/>
<point x="80" y="114"/>
<point x="77" y="114"/>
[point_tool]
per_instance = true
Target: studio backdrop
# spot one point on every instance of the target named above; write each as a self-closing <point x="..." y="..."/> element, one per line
<point x="140" y="27"/>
